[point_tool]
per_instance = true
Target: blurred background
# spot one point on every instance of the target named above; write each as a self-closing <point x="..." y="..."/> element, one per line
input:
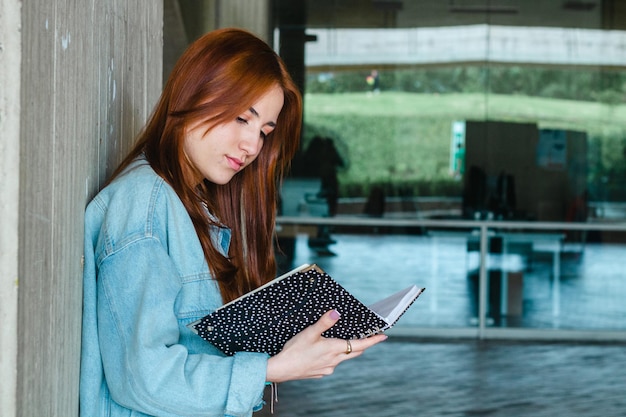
<point x="476" y="148"/>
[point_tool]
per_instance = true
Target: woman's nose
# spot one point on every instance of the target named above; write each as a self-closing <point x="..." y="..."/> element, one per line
<point x="251" y="143"/>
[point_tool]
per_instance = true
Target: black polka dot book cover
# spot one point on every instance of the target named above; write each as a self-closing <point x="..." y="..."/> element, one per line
<point x="263" y="320"/>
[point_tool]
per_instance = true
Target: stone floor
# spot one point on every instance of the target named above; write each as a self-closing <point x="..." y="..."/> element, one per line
<point x="469" y="378"/>
<point x="466" y="379"/>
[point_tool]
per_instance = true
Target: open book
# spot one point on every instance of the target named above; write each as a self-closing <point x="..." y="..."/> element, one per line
<point x="263" y="320"/>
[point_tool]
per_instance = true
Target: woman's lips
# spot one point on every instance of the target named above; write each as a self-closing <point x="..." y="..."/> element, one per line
<point x="234" y="163"/>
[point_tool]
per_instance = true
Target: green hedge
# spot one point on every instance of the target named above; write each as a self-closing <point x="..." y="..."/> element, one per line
<point x="401" y="141"/>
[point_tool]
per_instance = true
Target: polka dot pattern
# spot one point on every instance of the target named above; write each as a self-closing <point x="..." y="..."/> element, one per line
<point x="264" y="320"/>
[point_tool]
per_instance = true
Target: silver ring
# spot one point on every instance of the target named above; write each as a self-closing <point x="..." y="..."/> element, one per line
<point x="348" y="348"/>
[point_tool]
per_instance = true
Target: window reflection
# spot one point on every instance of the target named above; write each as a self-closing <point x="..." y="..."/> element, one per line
<point x="397" y="128"/>
<point x="458" y="118"/>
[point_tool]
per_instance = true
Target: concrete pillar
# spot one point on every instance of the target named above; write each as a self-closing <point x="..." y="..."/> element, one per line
<point x="10" y="39"/>
<point x="291" y="21"/>
<point x="187" y="20"/>
<point x="202" y="16"/>
<point x="77" y="82"/>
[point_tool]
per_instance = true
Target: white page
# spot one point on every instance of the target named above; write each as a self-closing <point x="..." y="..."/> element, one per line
<point x="392" y="307"/>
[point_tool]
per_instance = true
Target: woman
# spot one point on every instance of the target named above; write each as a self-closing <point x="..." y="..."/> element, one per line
<point x="186" y="224"/>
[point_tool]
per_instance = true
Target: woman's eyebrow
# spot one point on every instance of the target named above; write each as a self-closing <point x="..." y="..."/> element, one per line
<point x="256" y="114"/>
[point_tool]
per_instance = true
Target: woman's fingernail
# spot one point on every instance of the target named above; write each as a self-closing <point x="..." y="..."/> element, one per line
<point x="335" y="315"/>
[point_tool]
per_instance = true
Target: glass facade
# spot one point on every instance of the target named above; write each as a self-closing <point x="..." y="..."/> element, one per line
<point x="478" y="150"/>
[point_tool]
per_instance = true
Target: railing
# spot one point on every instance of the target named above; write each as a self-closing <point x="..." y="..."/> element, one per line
<point x="480" y="232"/>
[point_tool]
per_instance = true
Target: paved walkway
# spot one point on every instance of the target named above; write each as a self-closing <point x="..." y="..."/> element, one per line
<point x="466" y="378"/>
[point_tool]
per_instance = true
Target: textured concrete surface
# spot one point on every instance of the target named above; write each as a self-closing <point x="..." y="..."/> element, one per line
<point x="466" y="378"/>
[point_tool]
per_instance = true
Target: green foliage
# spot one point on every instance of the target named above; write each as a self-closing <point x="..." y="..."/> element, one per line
<point x="607" y="157"/>
<point x="604" y="86"/>
<point x="401" y="141"/>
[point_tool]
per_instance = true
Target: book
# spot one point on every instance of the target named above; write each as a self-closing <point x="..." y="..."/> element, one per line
<point x="264" y="320"/>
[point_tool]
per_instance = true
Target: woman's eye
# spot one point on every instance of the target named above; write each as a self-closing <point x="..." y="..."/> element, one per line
<point x="241" y="120"/>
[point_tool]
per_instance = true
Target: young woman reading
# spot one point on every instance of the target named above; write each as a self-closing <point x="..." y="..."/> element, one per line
<point x="186" y="224"/>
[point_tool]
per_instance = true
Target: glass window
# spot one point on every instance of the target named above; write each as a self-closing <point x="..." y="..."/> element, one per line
<point x="394" y="102"/>
<point x="463" y="118"/>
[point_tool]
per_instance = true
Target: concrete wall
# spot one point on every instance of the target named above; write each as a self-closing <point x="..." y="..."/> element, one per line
<point x="605" y="14"/>
<point x="187" y="20"/>
<point x="88" y="76"/>
<point x="201" y="16"/>
<point x="9" y="168"/>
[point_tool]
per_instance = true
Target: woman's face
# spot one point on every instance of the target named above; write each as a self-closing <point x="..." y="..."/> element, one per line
<point x="224" y="150"/>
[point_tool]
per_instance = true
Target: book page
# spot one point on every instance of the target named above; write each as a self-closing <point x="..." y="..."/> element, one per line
<point x="392" y="307"/>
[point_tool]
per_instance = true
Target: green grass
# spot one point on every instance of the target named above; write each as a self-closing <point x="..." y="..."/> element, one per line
<point x="403" y="139"/>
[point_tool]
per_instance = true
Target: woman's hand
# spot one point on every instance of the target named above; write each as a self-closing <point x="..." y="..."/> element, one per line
<point x="310" y="355"/>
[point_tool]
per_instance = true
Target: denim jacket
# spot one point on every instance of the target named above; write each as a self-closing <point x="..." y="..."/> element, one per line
<point x="145" y="278"/>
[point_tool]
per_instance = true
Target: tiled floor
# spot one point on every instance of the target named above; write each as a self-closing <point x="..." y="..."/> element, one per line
<point x="463" y="378"/>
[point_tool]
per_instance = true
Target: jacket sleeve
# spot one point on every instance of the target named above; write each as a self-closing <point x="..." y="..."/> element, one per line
<point x="146" y="367"/>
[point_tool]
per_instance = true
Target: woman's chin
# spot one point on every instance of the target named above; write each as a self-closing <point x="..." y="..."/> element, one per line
<point x="220" y="180"/>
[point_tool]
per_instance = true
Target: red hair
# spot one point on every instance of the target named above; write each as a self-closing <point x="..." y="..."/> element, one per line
<point x="217" y="79"/>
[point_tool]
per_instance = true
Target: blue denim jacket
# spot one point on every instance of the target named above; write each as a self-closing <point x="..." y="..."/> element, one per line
<point x="145" y="279"/>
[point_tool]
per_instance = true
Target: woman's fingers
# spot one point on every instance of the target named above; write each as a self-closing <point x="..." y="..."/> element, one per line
<point x="325" y="322"/>
<point x="310" y="355"/>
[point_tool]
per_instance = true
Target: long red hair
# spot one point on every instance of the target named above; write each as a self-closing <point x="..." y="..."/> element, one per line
<point x="217" y="79"/>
